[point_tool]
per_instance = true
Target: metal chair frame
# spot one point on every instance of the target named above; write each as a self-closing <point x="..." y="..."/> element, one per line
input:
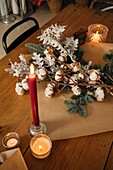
<point x="21" y="37"/>
<point x="106" y="1"/>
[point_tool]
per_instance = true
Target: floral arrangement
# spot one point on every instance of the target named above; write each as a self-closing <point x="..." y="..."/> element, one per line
<point x="61" y="65"/>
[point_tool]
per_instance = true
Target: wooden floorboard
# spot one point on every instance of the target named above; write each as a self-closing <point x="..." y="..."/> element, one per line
<point x="109" y="161"/>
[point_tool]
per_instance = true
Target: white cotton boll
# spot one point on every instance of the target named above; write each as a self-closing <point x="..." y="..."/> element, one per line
<point x="75" y="66"/>
<point x="41" y="74"/>
<point x="49" y="92"/>
<point x="58" y="78"/>
<point x="75" y="69"/>
<point x="62" y="59"/>
<point x="80" y="76"/>
<point x="99" y="94"/>
<point x="52" y="85"/>
<point x="19" y="89"/>
<point x="76" y="90"/>
<point x="59" y="75"/>
<point x="94" y="75"/>
<point x="25" y="84"/>
<point x="92" y="82"/>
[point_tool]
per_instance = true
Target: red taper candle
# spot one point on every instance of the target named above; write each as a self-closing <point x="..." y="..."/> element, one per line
<point x="33" y="95"/>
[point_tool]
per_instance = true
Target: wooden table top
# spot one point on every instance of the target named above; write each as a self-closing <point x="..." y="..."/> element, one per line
<point x="93" y="152"/>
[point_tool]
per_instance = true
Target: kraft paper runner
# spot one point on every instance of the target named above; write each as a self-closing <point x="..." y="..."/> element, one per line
<point x="12" y="159"/>
<point x="96" y="51"/>
<point x="62" y="125"/>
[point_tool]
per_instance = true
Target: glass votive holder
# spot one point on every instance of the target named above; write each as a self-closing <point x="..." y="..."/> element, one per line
<point x="11" y="140"/>
<point x="41" y="146"/>
<point x="97" y="33"/>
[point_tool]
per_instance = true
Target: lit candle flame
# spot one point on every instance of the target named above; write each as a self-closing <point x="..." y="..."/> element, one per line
<point x="12" y="142"/>
<point x="40" y="147"/>
<point x="96" y="37"/>
<point x="31" y="69"/>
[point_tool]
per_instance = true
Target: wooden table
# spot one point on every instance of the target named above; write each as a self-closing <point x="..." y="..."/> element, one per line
<point x="86" y="153"/>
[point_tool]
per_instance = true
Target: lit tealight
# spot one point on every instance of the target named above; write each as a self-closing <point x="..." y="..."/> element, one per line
<point x="11" y="140"/>
<point x="96" y="37"/>
<point x="97" y="33"/>
<point x="41" y="146"/>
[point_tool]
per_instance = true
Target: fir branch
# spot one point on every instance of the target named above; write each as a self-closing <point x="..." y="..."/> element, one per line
<point x="76" y="104"/>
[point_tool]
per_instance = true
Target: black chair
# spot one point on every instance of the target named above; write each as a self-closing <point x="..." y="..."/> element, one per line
<point x="18" y="40"/>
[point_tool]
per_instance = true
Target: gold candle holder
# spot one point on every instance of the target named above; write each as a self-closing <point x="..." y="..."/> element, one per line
<point x="41" y="146"/>
<point x="97" y="33"/>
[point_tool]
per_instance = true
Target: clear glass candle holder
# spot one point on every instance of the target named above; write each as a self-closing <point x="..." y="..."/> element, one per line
<point x="41" y="146"/>
<point x="11" y="140"/>
<point x="97" y="33"/>
<point x="35" y="130"/>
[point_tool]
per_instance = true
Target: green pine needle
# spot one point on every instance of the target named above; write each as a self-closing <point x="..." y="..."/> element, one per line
<point x="76" y="104"/>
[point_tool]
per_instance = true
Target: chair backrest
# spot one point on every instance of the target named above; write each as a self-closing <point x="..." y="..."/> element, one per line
<point x="19" y="39"/>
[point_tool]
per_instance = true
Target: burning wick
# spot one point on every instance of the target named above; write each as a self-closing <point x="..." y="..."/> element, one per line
<point x="40" y="147"/>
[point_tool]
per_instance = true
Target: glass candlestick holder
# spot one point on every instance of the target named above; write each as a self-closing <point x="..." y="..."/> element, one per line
<point x="35" y="130"/>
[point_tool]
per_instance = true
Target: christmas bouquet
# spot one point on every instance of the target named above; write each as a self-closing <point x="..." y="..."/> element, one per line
<point x="61" y="65"/>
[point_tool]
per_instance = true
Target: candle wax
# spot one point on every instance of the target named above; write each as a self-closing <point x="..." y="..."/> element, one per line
<point x="41" y="146"/>
<point x="12" y="142"/>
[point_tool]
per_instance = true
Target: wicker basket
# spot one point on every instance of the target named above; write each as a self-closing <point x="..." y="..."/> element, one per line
<point x="54" y="5"/>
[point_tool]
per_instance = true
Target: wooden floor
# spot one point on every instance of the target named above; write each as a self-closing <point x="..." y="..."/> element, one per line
<point x="93" y="152"/>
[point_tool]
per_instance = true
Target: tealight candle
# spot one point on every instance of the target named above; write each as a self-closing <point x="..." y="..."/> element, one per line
<point x="11" y="140"/>
<point x="97" y="33"/>
<point x="96" y="37"/>
<point x="41" y="146"/>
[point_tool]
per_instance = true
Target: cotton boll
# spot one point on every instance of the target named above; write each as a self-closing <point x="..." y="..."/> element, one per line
<point x="41" y="74"/>
<point x="94" y="75"/>
<point x="62" y="59"/>
<point x="19" y="89"/>
<point x="75" y="66"/>
<point x="59" y="75"/>
<point x="76" y="90"/>
<point x="52" y="85"/>
<point x="80" y="76"/>
<point x="49" y="92"/>
<point x="92" y="82"/>
<point x="25" y="84"/>
<point x="99" y="94"/>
